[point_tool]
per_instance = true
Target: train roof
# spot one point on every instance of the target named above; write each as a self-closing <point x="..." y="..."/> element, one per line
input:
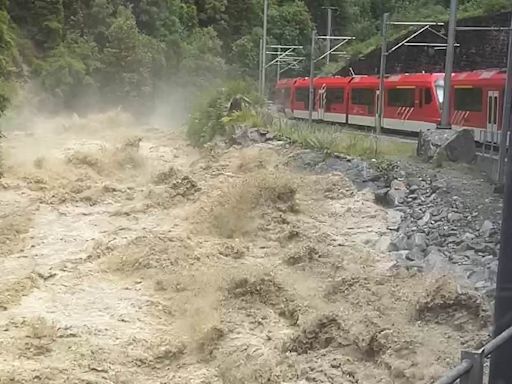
<point x="410" y="79"/>
<point x="285" y="83"/>
<point x="364" y="81"/>
<point x="332" y="81"/>
<point x="302" y="82"/>
<point x="483" y="77"/>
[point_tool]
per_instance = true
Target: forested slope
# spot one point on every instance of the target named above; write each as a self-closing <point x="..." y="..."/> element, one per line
<point x="126" y="50"/>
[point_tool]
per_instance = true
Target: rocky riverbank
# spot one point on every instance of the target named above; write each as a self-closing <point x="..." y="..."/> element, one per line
<point x="441" y="219"/>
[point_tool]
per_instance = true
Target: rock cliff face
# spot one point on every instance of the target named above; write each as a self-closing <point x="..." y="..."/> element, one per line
<point x="477" y="50"/>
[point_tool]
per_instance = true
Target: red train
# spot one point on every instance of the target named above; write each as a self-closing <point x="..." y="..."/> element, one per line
<point x="412" y="101"/>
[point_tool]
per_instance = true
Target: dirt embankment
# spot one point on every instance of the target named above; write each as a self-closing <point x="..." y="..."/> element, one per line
<point x="132" y="258"/>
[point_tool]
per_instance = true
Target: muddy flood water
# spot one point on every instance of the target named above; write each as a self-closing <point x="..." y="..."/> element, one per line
<point x="128" y="256"/>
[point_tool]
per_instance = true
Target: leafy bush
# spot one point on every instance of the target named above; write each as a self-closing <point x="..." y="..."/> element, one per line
<point x="211" y="119"/>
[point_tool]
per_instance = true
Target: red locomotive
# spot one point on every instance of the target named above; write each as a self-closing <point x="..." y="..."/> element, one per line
<point x="412" y="101"/>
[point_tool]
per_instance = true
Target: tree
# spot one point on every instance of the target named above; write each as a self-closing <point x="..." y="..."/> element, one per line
<point x="290" y="23"/>
<point x="245" y="53"/>
<point x="201" y="62"/>
<point x="68" y="71"/>
<point x="42" y="20"/>
<point x="131" y="61"/>
<point x="157" y="18"/>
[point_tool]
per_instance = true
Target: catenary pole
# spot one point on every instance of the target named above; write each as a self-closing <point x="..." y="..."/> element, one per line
<point x="279" y="64"/>
<point x="311" y="78"/>
<point x="264" y="46"/>
<point x="507" y="103"/>
<point x="329" y="33"/>
<point x="448" y="68"/>
<point x="382" y="74"/>
<point x="501" y="371"/>
<point x="260" y="88"/>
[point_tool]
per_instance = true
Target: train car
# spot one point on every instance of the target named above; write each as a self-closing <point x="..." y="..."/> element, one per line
<point x="362" y="100"/>
<point x="477" y="103"/>
<point x="283" y="96"/>
<point x="331" y="103"/>
<point x="412" y="101"/>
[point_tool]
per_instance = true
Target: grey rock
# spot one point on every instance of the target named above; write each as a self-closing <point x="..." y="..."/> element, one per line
<point x="491" y="249"/>
<point x="399" y="256"/>
<point x="394" y="219"/>
<point x="397" y="193"/>
<point x="476" y="246"/>
<point x="438" y="145"/>
<point x="424" y="220"/>
<point x="454" y="216"/>
<point x="482" y="284"/>
<point x="455" y="240"/>
<point x="398" y="185"/>
<point x="487" y="228"/>
<point x="246" y="136"/>
<point x="417" y="214"/>
<point x="469" y="254"/>
<point x="395" y="197"/>
<point x="435" y="261"/>
<point x="418" y="240"/>
<point x="416" y="254"/>
<point x="462" y="247"/>
<point x="475" y="276"/>
<point x="398" y="243"/>
<point x="488" y="260"/>
<point x="413" y="188"/>
<point x="441" y="215"/>
<point x="438" y="185"/>
<point x="381" y="196"/>
<point x="459" y="259"/>
<point x="468" y="236"/>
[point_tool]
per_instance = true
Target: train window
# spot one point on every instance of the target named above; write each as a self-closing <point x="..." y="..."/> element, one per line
<point x="468" y="99"/>
<point x="363" y="96"/>
<point x="335" y="96"/>
<point x="401" y="97"/>
<point x="302" y="95"/>
<point x="428" y="96"/>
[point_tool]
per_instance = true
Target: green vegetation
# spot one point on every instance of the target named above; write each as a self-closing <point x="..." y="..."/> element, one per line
<point x="212" y="116"/>
<point x="89" y="53"/>
<point x="335" y="139"/>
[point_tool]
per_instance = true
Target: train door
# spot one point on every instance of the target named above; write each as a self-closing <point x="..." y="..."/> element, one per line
<point x="492" y="115"/>
<point x="322" y="97"/>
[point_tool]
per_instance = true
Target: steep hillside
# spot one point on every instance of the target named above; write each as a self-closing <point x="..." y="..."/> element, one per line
<point x="90" y="53"/>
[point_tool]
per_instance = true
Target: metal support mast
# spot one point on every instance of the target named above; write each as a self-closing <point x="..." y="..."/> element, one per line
<point x="278" y="64"/>
<point x="501" y="372"/>
<point x="264" y="48"/>
<point x="448" y="70"/>
<point x="260" y="68"/>
<point x="311" y="78"/>
<point x="329" y="33"/>
<point x="383" y="60"/>
<point x="507" y="105"/>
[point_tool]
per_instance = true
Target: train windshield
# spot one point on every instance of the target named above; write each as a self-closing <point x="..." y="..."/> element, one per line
<point x="440" y="91"/>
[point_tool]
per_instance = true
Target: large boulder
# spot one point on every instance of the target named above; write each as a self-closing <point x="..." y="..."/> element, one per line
<point x="440" y="144"/>
<point x="246" y="136"/>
